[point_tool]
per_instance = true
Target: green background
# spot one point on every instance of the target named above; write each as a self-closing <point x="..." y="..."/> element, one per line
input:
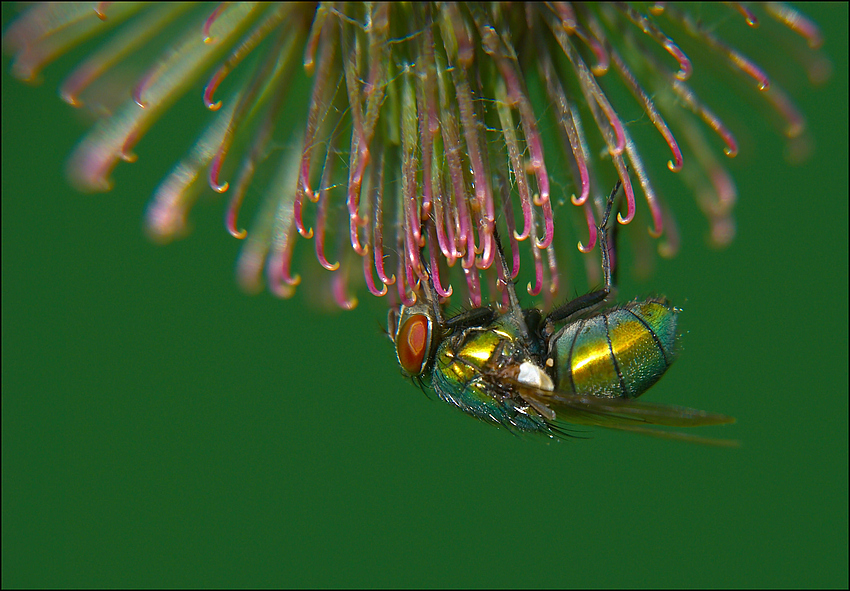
<point x="160" y="428"/>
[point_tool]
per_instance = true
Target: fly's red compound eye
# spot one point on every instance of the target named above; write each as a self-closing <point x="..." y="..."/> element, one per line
<point x="412" y="343"/>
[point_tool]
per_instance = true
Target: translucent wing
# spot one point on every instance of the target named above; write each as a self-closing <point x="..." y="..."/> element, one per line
<point x="624" y="415"/>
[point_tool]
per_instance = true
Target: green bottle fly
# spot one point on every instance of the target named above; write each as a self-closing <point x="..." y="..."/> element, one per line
<point x="533" y="373"/>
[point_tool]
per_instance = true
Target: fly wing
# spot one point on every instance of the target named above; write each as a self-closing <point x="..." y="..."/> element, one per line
<point x="625" y="415"/>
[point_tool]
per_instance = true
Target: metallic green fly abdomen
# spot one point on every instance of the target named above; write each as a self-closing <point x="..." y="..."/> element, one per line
<point x="617" y="353"/>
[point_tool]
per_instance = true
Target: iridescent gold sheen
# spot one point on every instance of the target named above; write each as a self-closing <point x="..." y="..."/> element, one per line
<point x="619" y="353"/>
<point x="468" y="360"/>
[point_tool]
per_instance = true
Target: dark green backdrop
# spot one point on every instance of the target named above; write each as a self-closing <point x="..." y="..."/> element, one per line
<point x="160" y="428"/>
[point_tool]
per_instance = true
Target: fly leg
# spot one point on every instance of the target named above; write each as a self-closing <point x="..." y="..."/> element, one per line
<point x="514" y="310"/>
<point x="470" y="319"/>
<point x="604" y="246"/>
<point x="594" y="298"/>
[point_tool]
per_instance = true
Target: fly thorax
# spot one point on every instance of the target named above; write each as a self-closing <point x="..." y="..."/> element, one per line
<point x="476" y="352"/>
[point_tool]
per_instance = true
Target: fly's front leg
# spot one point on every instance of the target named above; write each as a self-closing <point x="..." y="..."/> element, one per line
<point x="477" y="317"/>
